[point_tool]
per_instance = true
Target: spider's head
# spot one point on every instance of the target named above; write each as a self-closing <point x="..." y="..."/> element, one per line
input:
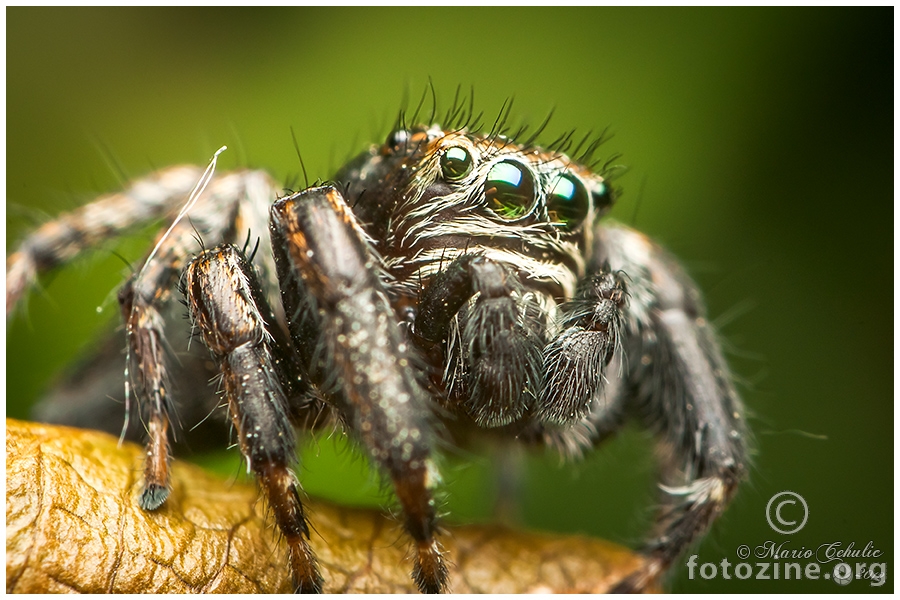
<point x="428" y="194"/>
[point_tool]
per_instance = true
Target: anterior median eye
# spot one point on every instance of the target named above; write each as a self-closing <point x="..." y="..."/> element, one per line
<point x="567" y="202"/>
<point x="456" y="163"/>
<point x="509" y="190"/>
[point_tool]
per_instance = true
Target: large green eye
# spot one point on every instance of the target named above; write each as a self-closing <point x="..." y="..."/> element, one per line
<point x="456" y="163"/>
<point x="567" y="202"/>
<point x="509" y="190"/>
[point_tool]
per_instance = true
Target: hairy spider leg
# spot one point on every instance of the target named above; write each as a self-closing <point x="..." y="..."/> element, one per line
<point x="682" y="387"/>
<point x="219" y="213"/>
<point x="344" y="328"/>
<point x="82" y="397"/>
<point x="62" y="239"/>
<point x="142" y="301"/>
<point x="239" y="328"/>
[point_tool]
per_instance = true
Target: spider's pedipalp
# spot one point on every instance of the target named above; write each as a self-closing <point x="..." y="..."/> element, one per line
<point x="575" y="360"/>
<point x="498" y="341"/>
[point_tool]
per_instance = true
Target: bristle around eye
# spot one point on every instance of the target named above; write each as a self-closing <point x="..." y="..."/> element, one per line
<point x="454" y="110"/>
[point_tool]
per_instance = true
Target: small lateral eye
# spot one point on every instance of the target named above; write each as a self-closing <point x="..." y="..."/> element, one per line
<point x="397" y="138"/>
<point x="456" y="163"/>
<point x="509" y="190"/>
<point x="567" y="203"/>
<point x="603" y="196"/>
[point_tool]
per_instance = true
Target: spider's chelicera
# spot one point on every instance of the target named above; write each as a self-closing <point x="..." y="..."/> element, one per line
<point x="447" y="282"/>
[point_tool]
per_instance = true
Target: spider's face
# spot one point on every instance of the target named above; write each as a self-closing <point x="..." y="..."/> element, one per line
<point x="442" y="194"/>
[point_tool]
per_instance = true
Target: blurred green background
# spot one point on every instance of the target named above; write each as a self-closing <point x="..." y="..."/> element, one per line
<point x="759" y="149"/>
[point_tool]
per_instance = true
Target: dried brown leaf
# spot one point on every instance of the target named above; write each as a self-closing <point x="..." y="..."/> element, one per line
<point x="72" y="524"/>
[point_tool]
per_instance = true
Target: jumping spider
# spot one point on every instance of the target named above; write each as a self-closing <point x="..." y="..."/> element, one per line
<point x="448" y="281"/>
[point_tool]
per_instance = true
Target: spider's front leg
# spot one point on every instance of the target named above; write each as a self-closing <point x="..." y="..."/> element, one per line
<point x="680" y="383"/>
<point x="345" y="330"/>
<point x="258" y="376"/>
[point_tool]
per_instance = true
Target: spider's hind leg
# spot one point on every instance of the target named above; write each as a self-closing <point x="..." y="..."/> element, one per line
<point x="238" y="327"/>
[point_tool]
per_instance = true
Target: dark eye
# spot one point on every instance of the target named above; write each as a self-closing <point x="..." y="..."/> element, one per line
<point x="456" y="163"/>
<point x="397" y="138"/>
<point x="567" y="202"/>
<point x="509" y="190"/>
<point x="603" y="196"/>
